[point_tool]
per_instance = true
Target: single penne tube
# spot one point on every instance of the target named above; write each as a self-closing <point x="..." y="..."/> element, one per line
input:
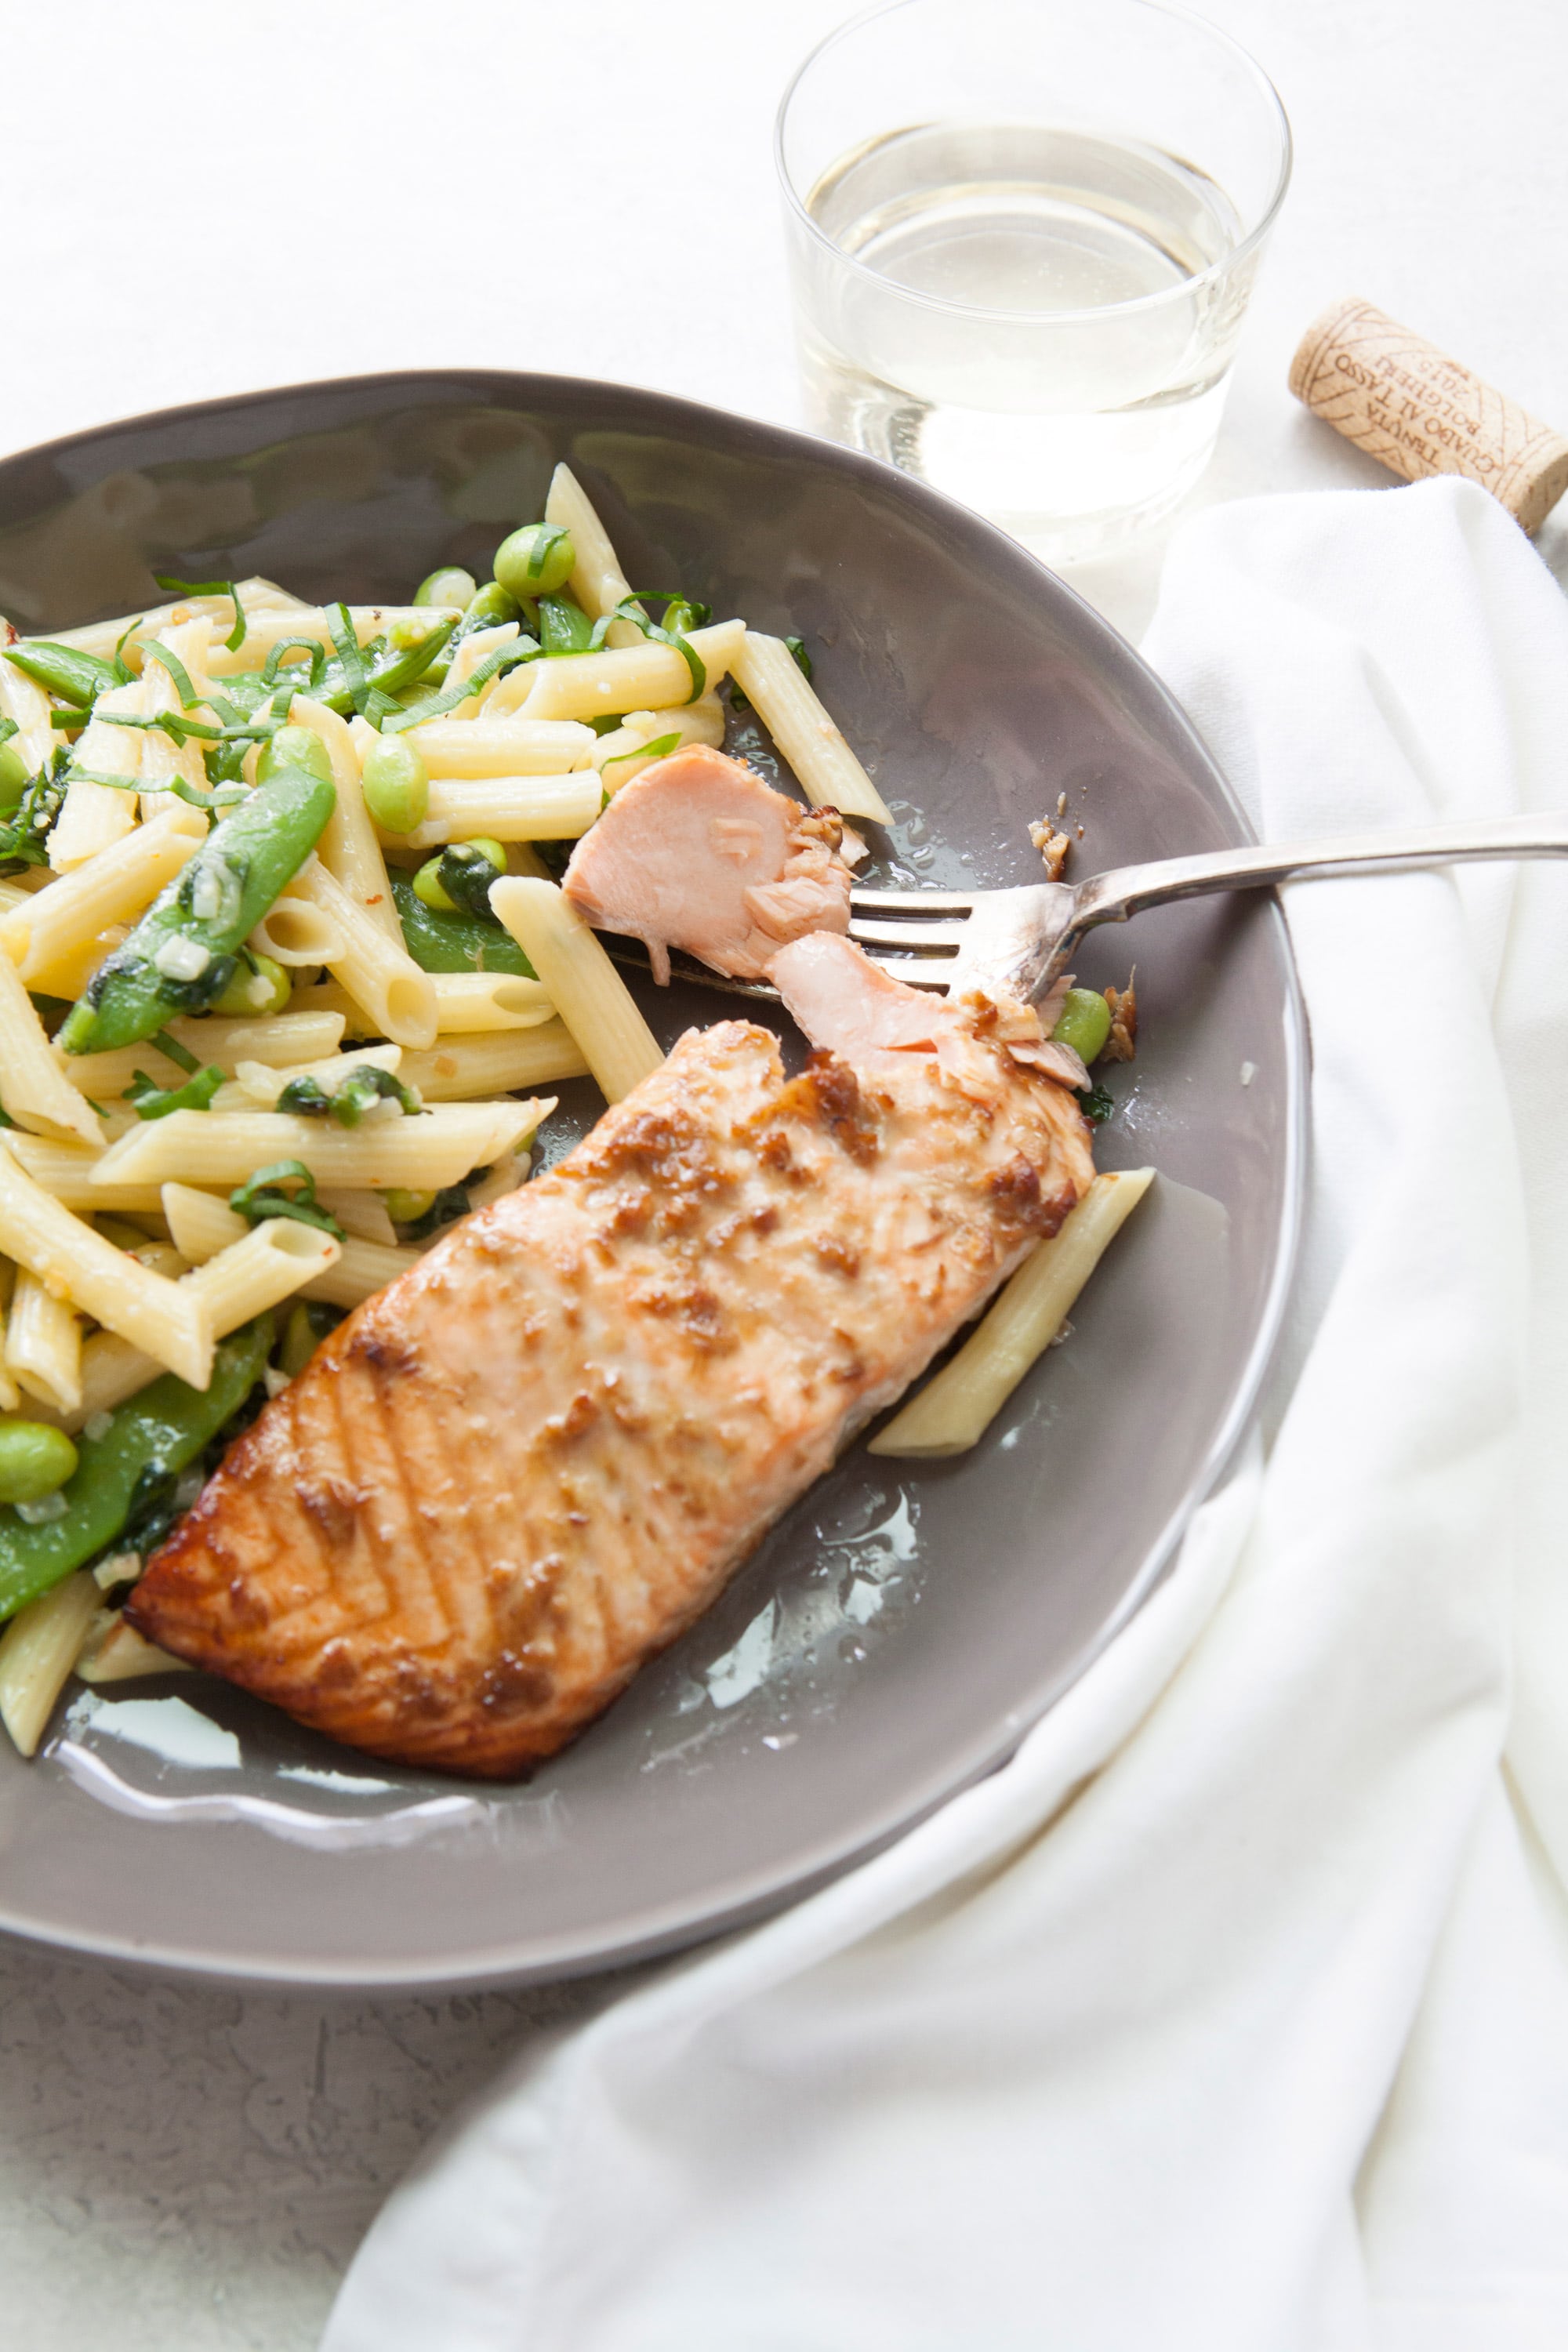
<point x="472" y="651"/>
<point x="270" y="628"/>
<point x="10" y="1394"/>
<point x="27" y="707"/>
<point x="467" y="1000"/>
<point x="114" y="1652"/>
<point x="113" y="1371"/>
<point x="495" y="1062"/>
<point x="37" y="1650"/>
<point x="255" y="596"/>
<point x="349" y="849"/>
<point x="201" y="1223"/>
<point x="378" y="972"/>
<point x="295" y="933"/>
<point x="424" y="1153"/>
<point x="94" y="816"/>
<point x="161" y="1316"/>
<point x="622" y="754"/>
<point x="825" y="768"/>
<point x="363" y="1268"/>
<point x="285" y="1039"/>
<point x="43" y="1344"/>
<point x="65" y="1172"/>
<point x="269" y="1263"/>
<point x="112" y="887"/>
<point x="12" y="895"/>
<point x="644" y="677"/>
<point x="508" y="808"/>
<point x="34" y="1088"/>
<point x="259" y="1084"/>
<point x="359" y="1212"/>
<point x="502" y="747"/>
<point x="584" y="987"/>
<point x="331" y="996"/>
<point x="69" y="977"/>
<point x="952" y="1412"/>
<point x="598" y="582"/>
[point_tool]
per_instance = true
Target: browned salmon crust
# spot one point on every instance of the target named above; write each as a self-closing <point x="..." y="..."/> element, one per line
<point x="529" y="1463"/>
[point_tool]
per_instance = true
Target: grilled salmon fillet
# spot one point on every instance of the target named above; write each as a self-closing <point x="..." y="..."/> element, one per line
<point x="529" y="1463"/>
<point x="698" y="853"/>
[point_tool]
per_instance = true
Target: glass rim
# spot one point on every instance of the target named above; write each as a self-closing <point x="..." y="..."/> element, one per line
<point x="1273" y="104"/>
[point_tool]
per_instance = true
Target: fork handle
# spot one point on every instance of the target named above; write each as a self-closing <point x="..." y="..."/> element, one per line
<point x="1111" y="897"/>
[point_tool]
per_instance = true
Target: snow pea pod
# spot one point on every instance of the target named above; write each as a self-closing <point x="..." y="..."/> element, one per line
<point x="183" y="950"/>
<point x="455" y="942"/>
<point x="158" y="1433"/>
<point x="64" y="670"/>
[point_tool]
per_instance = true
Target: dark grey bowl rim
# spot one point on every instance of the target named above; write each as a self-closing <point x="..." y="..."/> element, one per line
<point x="656" y="1933"/>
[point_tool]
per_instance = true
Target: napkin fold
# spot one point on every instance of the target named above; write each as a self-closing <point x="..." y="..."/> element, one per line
<point x="1233" y="2013"/>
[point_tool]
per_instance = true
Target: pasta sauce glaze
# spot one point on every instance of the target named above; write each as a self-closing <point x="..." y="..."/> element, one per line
<point x="530" y="1462"/>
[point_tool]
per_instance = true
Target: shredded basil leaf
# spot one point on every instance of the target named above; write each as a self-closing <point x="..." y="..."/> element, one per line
<point x="802" y="658"/>
<point x="356" y="674"/>
<point x="312" y="645"/>
<point x="177" y="668"/>
<point x="236" y="636"/>
<point x="1095" y="1103"/>
<point x="654" y="751"/>
<point x="262" y="1196"/>
<point x="505" y="657"/>
<point x="154" y="1101"/>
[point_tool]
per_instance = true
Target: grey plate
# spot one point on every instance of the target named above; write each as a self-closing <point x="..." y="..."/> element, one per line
<point x="898" y="1630"/>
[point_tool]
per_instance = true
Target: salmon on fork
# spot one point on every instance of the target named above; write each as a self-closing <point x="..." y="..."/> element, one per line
<point x="529" y="1463"/>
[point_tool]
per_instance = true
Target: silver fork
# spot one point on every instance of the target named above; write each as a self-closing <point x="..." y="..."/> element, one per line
<point x="1023" y="939"/>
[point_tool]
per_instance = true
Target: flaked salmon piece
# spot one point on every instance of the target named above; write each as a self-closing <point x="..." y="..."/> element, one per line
<point x="698" y="853"/>
<point x="850" y="1006"/>
<point x="530" y="1462"/>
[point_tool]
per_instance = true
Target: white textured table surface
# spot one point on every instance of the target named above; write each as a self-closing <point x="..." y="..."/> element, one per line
<point x="504" y="185"/>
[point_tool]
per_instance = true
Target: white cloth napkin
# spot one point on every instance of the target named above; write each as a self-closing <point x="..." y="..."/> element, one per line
<point x="1232" y="2015"/>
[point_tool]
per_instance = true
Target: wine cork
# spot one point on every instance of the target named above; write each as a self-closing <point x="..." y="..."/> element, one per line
<point x="1419" y="412"/>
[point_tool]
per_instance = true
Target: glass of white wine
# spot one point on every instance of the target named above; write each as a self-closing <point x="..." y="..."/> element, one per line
<point x="1022" y="237"/>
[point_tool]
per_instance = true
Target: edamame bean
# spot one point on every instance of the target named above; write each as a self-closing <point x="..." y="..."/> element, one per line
<point x="535" y="561"/>
<point x="488" y="608"/>
<point x="396" y="783"/>
<point x="259" y="986"/>
<point x="457" y="879"/>
<point x="1084" y="1024"/>
<point x="406" y="1208"/>
<point x="13" y="778"/>
<point x="34" y="1460"/>
<point x="182" y="954"/>
<point x="447" y="584"/>
<point x="294" y="747"/>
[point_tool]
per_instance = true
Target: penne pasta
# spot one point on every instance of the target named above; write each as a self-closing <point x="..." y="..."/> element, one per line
<point x="43" y="937"/>
<point x="259" y="1084"/>
<point x="296" y="934"/>
<point x="113" y="1371"/>
<point x="93" y="816"/>
<point x="467" y="1000"/>
<point x="825" y="768"/>
<point x="360" y="1213"/>
<point x="644" y="677"/>
<point x="161" y="1316"/>
<point x="205" y="1226"/>
<point x="508" y="808"/>
<point x="502" y="747"/>
<point x="257" y="597"/>
<point x="34" y="1088"/>
<point x="584" y="987"/>
<point x="65" y="1172"/>
<point x="268" y="628"/>
<point x="598" y="582"/>
<point x="379" y="973"/>
<point x="500" y="1061"/>
<point x="260" y="1269"/>
<point x="43" y="1344"/>
<point x="473" y="650"/>
<point x="114" y="1652"/>
<point x="37" y="1652"/>
<point x="620" y="755"/>
<point x="284" y="1040"/>
<point x="425" y="1154"/>
<point x="952" y="1412"/>
<point x="349" y="849"/>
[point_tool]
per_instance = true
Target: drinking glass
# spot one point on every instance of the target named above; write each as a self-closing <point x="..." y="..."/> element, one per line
<point x="1022" y="235"/>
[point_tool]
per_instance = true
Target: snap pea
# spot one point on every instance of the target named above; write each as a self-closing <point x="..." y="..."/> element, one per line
<point x="396" y="783"/>
<point x="294" y="747"/>
<point x="563" y="626"/>
<point x="183" y="950"/>
<point x="1084" y="1024"/>
<point x="64" y="670"/>
<point x="455" y="942"/>
<point x="161" y="1429"/>
<point x="535" y="561"/>
<point x="458" y="879"/>
<point x="256" y="985"/>
<point x="447" y="584"/>
<point x="35" y="1460"/>
<point x="488" y="607"/>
